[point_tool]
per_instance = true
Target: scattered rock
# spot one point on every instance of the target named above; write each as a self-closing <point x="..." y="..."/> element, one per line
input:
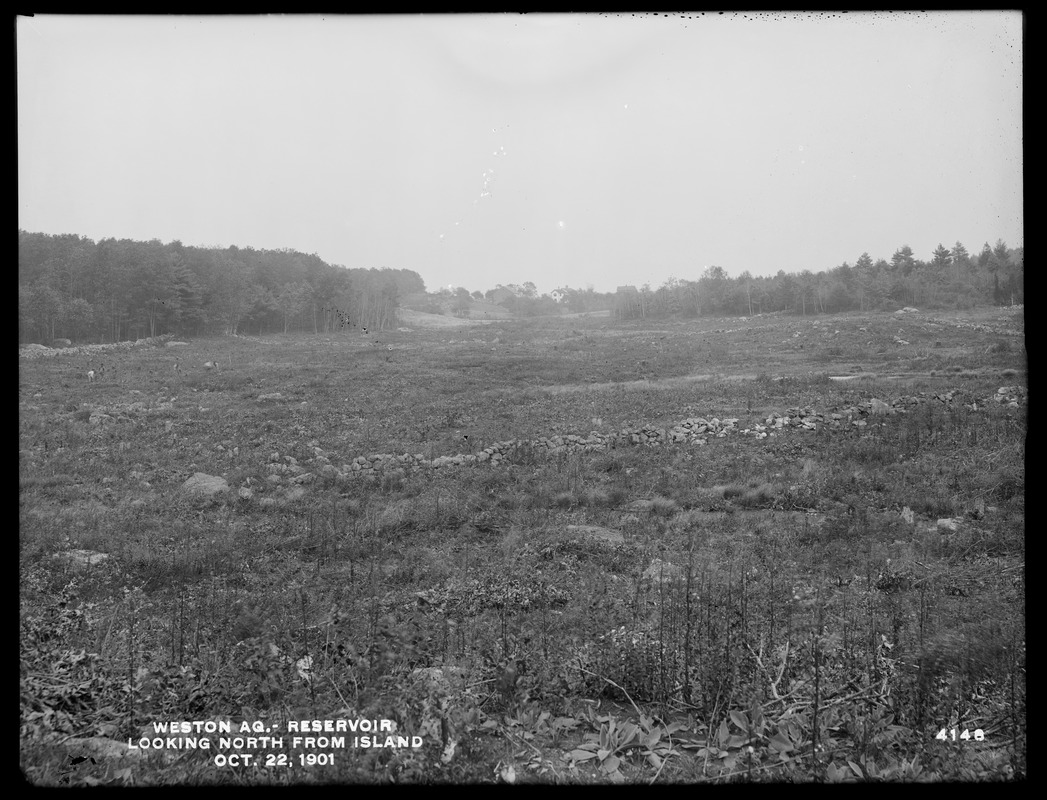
<point x="948" y="525"/>
<point x="203" y="485"/>
<point x="691" y="431"/>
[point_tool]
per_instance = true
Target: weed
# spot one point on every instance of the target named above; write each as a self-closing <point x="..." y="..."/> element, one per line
<point x="741" y="601"/>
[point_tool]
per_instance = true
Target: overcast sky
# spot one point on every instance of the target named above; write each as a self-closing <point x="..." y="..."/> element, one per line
<point x="564" y="149"/>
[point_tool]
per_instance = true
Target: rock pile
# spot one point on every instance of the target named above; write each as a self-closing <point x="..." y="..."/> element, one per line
<point x="43" y="351"/>
<point x="980" y="327"/>
<point x="1010" y="395"/>
<point x="694" y="431"/>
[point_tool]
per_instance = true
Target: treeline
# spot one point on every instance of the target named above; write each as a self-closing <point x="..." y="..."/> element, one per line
<point x="523" y="300"/>
<point x="520" y="300"/>
<point x="953" y="278"/>
<point x="72" y="287"/>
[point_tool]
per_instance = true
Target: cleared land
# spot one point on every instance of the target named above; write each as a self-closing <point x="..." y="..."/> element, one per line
<point x="830" y="563"/>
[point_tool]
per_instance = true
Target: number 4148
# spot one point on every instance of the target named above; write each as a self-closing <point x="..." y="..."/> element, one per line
<point x="952" y="734"/>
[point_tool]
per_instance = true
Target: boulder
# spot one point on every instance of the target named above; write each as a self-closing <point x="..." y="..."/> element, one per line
<point x="878" y="407"/>
<point x="203" y="485"/>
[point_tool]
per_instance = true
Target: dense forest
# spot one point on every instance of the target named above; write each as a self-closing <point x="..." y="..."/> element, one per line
<point x="953" y="278"/>
<point x="74" y="288"/>
<point x="71" y="287"/>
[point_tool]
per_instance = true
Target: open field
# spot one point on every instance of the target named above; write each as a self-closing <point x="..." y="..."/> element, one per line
<point x="559" y="551"/>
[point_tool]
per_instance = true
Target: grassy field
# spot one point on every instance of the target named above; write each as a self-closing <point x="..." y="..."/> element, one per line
<point x="809" y="587"/>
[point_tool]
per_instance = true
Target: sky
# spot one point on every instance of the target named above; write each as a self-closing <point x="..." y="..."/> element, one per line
<point x="578" y="150"/>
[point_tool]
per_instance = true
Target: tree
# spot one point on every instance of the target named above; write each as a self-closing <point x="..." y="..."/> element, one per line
<point x="941" y="257"/>
<point x="984" y="256"/>
<point x="291" y="300"/>
<point x="229" y="292"/>
<point x="461" y="305"/>
<point x="627" y="303"/>
<point x="713" y="288"/>
<point x="1001" y="256"/>
<point x="574" y="299"/>
<point x="187" y="309"/>
<point x="261" y="304"/>
<point x="690" y="297"/>
<point x="79" y="318"/>
<point x="863" y="280"/>
<point x="804" y="288"/>
<point x="784" y="288"/>
<point x="902" y="260"/>
<point x="962" y="266"/>
<point x="1015" y="286"/>
<point x="746" y="280"/>
<point x="760" y="293"/>
<point x="43" y="307"/>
